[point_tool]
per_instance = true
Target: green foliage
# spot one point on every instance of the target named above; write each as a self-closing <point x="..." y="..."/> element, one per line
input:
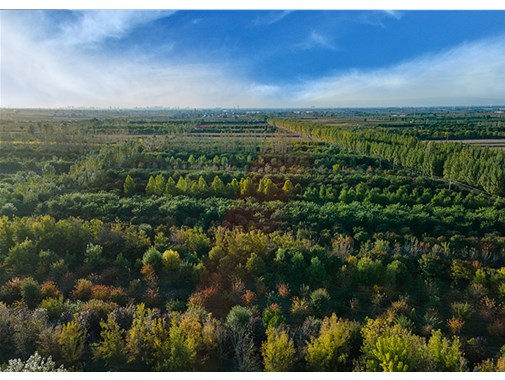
<point x="445" y="354"/>
<point x="136" y="335"/>
<point x="94" y="256"/>
<point x="129" y="186"/>
<point x="278" y="351"/>
<point x="217" y="186"/>
<point x="159" y="185"/>
<point x="30" y="292"/>
<point x="391" y="353"/>
<point x="54" y="306"/>
<point x="267" y="187"/>
<point x="238" y="318"/>
<point x="151" y="185"/>
<point x="389" y="347"/>
<point x="171" y="259"/>
<point x="153" y="257"/>
<point x="72" y="340"/>
<point x="22" y="258"/>
<point x="247" y="187"/>
<point x="288" y="187"/>
<point x="330" y="351"/>
<point x="112" y="346"/>
<point x="320" y="301"/>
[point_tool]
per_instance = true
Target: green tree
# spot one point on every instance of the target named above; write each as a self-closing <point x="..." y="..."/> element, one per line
<point x="151" y="185"/>
<point x="136" y="335"/>
<point x="330" y="351"/>
<point x="202" y="186"/>
<point x="288" y="187"/>
<point x="247" y="187"/>
<point x="129" y="186"/>
<point x="445" y="354"/>
<point x="217" y="186"/>
<point x="267" y="187"/>
<point x="30" y="292"/>
<point x="171" y="259"/>
<point x="278" y="351"/>
<point x="112" y="347"/>
<point x="152" y="257"/>
<point x="159" y="185"/>
<point x="171" y="187"/>
<point x="182" y="185"/>
<point x="72" y="341"/>
<point x="22" y="258"/>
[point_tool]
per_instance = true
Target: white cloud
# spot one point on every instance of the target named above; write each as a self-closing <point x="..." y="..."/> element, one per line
<point x="38" y="72"/>
<point x="317" y="40"/>
<point x="271" y="18"/>
<point x="473" y="73"/>
<point x="93" y="26"/>
<point x="394" y="14"/>
<point x="41" y="73"/>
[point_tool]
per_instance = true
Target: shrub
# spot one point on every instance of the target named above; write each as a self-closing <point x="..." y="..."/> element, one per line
<point x="34" y="363"/>
<point x="387" y="347"/>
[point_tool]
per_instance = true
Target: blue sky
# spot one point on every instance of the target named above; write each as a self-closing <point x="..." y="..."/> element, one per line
<point x="252" y="58"/>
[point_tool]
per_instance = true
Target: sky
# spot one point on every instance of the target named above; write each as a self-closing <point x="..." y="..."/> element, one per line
<point x="251" y="59"/>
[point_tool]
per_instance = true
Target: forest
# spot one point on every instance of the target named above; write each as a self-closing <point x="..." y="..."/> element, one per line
<point x="252" y="240"/>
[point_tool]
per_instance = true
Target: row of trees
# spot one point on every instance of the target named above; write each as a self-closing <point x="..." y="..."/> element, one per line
<point x="475" y="166"/>
<point x="157" y="185"/>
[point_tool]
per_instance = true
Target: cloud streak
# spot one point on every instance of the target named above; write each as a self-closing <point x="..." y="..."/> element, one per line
<point x="94" y="26"/>
<point x="57" y="70"/>
<point x="472" y="73"/>
<point x="317" y="40"/>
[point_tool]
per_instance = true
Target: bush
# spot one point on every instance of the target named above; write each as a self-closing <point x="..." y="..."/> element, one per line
<point x="34" y="363"/>
<point x="49" y="289"/>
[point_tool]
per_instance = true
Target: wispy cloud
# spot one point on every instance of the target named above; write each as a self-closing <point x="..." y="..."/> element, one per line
<point x="394" y="14"/>
<point x="377" y="18"/>
<point x="38" y="72"/>
<point x="271" y="17"/>
<point x="94" y="26"/>
<point x="473" y="73"/>
<point x="317" y="40"/>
